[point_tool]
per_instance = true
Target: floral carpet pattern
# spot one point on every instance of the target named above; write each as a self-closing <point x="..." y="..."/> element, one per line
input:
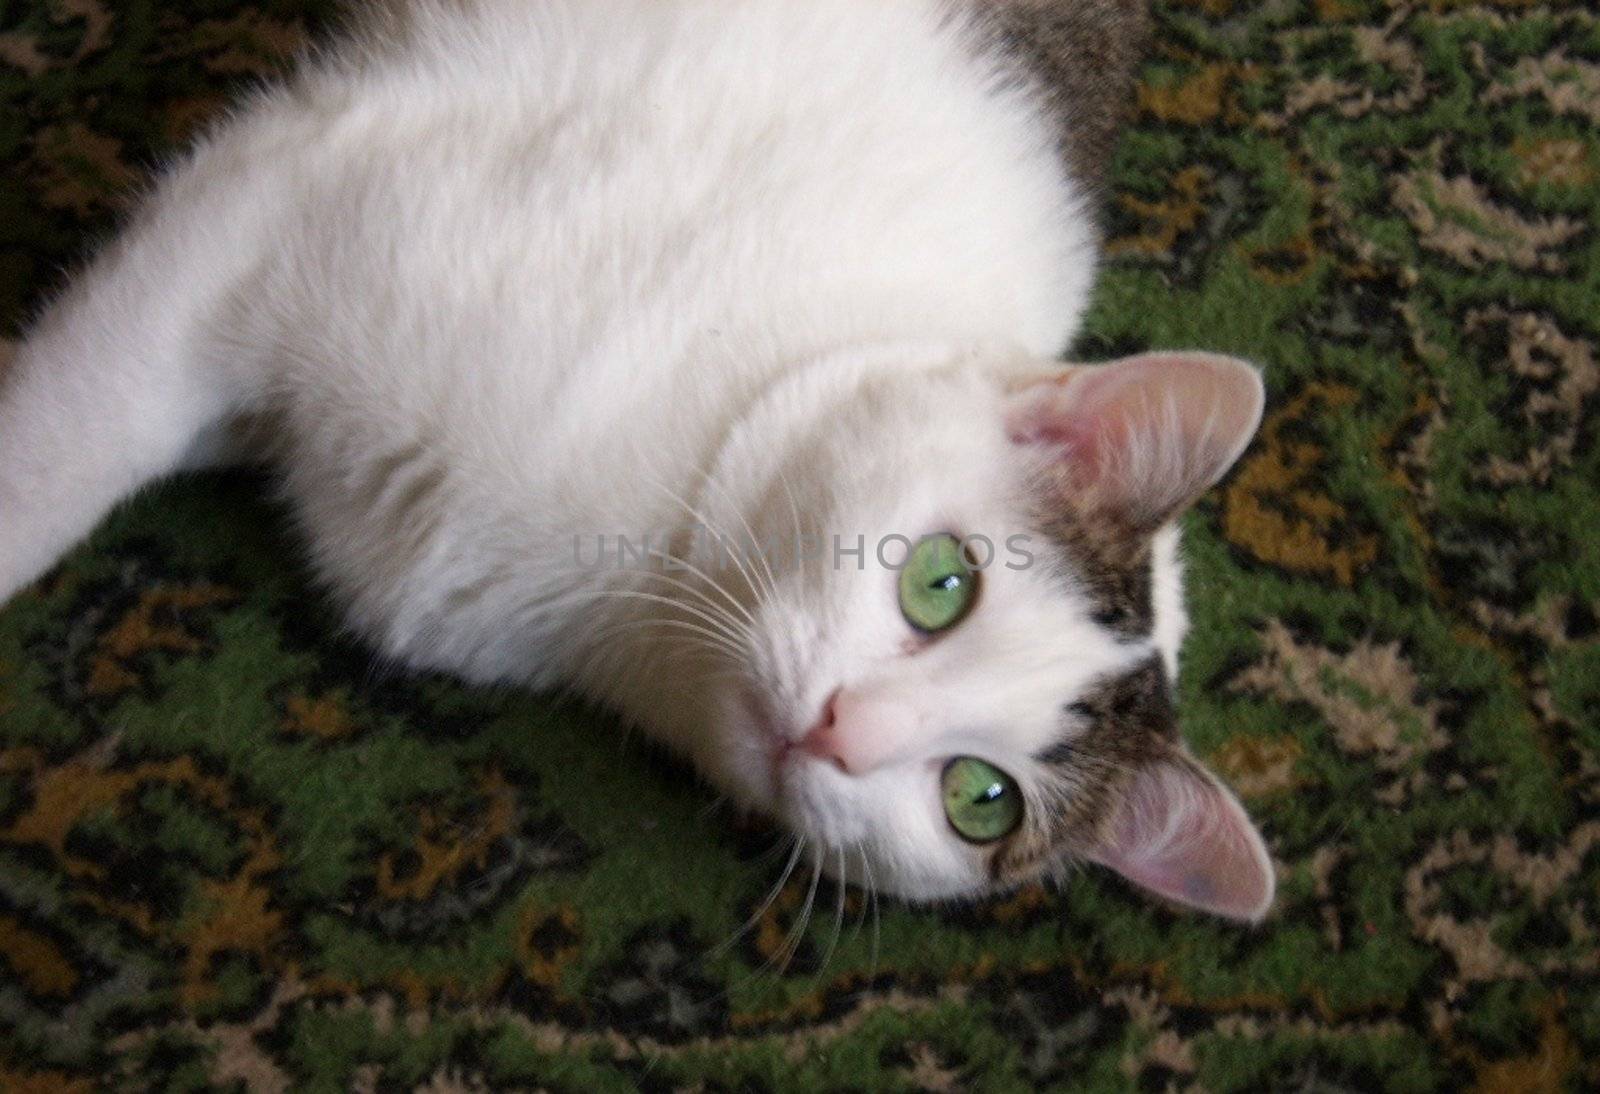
<point x="235" y="854"/>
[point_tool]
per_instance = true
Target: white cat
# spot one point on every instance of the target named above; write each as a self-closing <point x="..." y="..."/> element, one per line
<point x="497" y="282"/>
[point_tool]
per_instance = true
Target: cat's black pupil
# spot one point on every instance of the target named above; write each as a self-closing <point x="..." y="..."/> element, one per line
<point x="946" y="584"/>
<point x="992" y="794"/>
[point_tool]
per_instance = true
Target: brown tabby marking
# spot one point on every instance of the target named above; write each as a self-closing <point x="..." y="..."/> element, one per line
<point x="1113" y="565"/>
<point x="1101" y="550"/>
<point x="1083" y="54"/>
<point x="1124" y="724"/>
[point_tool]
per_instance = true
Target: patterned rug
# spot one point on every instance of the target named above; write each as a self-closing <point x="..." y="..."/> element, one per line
<point x="232" y="852"/>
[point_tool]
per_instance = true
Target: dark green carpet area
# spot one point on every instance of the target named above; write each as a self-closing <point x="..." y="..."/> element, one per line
<point x="234" y="853"/>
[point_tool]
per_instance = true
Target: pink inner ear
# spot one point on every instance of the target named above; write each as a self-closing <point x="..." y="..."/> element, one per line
<point x="1182" y="835"/>
<point x="1056" y="415"/>
<point x="1146" y="434"/>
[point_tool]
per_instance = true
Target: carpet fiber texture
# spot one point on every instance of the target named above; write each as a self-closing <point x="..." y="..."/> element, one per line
<point x="232" y="852"/>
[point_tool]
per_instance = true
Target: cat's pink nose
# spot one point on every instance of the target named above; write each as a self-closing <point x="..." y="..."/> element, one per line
<point x="857" y="734"/>
<point x="821" y="740"/>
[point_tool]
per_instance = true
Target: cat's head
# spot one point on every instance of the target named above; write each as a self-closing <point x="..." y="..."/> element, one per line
<point x="964" y="678"/>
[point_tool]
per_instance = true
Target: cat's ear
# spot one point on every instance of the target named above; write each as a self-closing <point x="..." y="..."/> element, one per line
<point x="1145" y="436"/>
<point x="1180" y="833"/>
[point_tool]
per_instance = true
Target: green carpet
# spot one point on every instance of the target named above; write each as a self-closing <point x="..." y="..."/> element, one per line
<point x="234" y="852"/>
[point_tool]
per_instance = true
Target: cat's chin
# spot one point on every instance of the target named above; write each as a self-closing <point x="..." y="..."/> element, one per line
<point x="789" y="771"/>
<point x="848" y="822"/>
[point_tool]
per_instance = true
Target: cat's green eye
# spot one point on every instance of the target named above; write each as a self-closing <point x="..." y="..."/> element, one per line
<point x="937" y="584"/>
<point x="982" y="802"/>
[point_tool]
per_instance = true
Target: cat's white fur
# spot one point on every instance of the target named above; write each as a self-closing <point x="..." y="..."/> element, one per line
<point x="502" y="274"/>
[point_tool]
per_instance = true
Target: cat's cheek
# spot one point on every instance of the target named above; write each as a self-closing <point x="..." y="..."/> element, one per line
<point x="892" y="821"/>
<point x="734" y="752"/>
<point x="823" y="804"/>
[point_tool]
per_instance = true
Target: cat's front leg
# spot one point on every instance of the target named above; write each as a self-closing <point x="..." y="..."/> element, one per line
<point x="128" y="373"/>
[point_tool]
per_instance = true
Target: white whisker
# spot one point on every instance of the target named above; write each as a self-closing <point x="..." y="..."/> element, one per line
<point x="721" y="535"/>
<point x="721" y="625"/>
<point x="872" y="895"/>
<point x="796" y="936"/>
<point x="755" y="541"/>
<point x="674" y="560"/>
<point x="794" y="512"/>
<point x="838" y="915"/>
<point x="761" y="908"/>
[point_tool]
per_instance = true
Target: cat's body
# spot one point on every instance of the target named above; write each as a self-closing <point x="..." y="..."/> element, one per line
<point x="499" y="282"/>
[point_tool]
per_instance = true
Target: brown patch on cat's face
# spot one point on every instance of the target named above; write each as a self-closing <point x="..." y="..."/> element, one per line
<point x="1125" y="723"/>
<point x="1103" y="557"/>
